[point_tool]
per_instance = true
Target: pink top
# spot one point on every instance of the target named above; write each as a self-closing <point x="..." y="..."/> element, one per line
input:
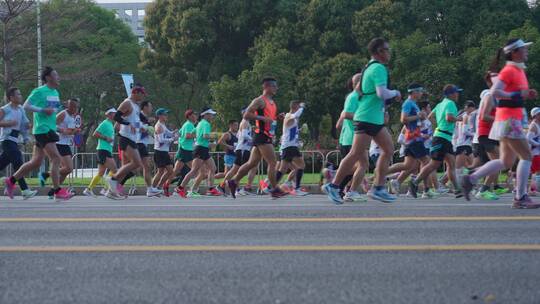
<point x="515" y="80"/>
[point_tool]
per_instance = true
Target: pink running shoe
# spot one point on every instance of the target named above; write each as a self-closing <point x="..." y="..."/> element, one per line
<point x="9" y="187"/>
<point x="63" y="195"/>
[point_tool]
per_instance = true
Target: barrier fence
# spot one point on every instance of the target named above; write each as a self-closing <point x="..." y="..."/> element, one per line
<point x="85" y="164"/>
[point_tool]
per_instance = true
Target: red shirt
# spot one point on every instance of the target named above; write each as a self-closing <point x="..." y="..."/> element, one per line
<point x="515" y="80"/>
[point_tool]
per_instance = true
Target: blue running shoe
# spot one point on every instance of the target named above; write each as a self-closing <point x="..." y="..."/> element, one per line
<point x="43" y="178"/>
<point x="381" y="195"/>
<point x="333" y="194"/>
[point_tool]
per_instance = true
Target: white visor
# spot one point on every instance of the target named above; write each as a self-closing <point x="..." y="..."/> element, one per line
<point x="516" y="45"/>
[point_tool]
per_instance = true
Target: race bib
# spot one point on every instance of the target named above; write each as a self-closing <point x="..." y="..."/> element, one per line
<point x="53" y="102"/>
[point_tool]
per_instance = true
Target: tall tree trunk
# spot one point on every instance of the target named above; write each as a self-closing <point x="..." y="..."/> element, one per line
<point x="6" y="57"/>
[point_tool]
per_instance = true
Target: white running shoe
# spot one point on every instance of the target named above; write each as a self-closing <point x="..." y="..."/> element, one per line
<point x="152" y="192"/>
<point x="354" y="196"/>
<point x="298" y="192"/>
<point x="103" y="191"/>
<point x="114" y="196"/>
<point x="26" y="194"/>
<point x="89" y="193"/>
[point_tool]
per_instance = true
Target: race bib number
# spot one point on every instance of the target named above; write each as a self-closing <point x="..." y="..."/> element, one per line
<point x="53" y="102"/>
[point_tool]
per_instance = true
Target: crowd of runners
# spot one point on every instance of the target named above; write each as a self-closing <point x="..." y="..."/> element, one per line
<point x="478" y="144"/>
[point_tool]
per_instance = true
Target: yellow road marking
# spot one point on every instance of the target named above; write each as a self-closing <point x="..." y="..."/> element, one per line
<point x="286" y="248"/>
<point x="272" y="220"/>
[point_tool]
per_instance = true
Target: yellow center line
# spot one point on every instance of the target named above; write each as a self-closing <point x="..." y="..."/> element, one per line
<point x="271" y="220"/>
<point x="278" y="248"/>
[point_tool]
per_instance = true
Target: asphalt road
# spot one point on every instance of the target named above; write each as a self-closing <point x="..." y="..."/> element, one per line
<point x="257" y="250"/>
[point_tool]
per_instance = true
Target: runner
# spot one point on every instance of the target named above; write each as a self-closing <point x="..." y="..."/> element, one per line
<point x="242" y="154"/>
<point x="65" y="121"/>
<point x="487" y="149"/>
<point x="44" y="102"/>
<point x="128" y="116"/>
<point x="346" y="136"/>
<point x="533" y="136"/>
<point x="162" y="143"/>
<point x="228" y="141"/>
<point x="184" y="155"/>
<point x="105" y="137"/>
<point x="369" y="118"/>
<point x="464" y="135"/>
<point x="263" y="110"/>
<point x="446" y="117"/>
<point x="144" y="140"/>
<point x="202" y="153"/>
<point x="511" y="89"/>
<point x="291" y="158"/>
<point x="13" y="123"/>
<point x="415" y="151"/>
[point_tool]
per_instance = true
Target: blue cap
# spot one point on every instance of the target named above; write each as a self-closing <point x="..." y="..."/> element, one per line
<point x="162" y="111"/>
<point x="450" y="89"/>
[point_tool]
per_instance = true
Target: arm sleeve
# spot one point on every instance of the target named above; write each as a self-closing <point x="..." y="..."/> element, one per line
<point x="29" y="107"/>
<point x="298" y="113"/>
<point x="118" y="118"/>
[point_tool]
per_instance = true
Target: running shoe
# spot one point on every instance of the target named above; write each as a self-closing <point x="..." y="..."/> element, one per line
<point x="413" y="188"/>
<point x="263" y="186"/>
<point x="333" y="193"/>
<point x="277" y="193"/>
<point x="103" y="191"/>
<point x="409" y="194"/>
<point x="459" y="194"/>
<point x="427" y="195"/>
<point x="50" y="194"/>
<point x="354" y="196"/>
<point x="26" y="194"/>
<point x="381" y="195"/>
<point x="153" y="192"/>
<point x="9" y="187"/>
<point x="221" y="188"/>
<point x="181" y="191"/>
<point x="298" y="192"/>
<point x="113" y="185"/>
<point x="525" y="203"/>
<point x="486" y="195"/>
<point x="62" y="195"/>
<point x="89" y="193"/>
<point x="500" y="191"/>
<point x="193" y="194"/>
<point x="467" y="186"/>
<point x="114" y="196"/>
<point x="442" y="189"/>
<point x="395" y="187"/>
<point x="287" y="186"/>
<point x="214" y="192"/>
<point x="232" y="187"/>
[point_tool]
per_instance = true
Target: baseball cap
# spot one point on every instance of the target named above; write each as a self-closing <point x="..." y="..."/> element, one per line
<point x="162" y="111"/>
<point x="535" y="111"/>
<point x="450" y="89"/>
<point x="208" y="111"/>
<point x="138" y="90"/>
<point x="110" y="110"/>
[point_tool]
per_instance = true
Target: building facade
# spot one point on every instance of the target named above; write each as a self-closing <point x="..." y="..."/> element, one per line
<point x="131" y="13"/>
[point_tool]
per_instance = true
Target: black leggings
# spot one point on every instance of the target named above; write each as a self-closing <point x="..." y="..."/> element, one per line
<point x="12" y="155"/>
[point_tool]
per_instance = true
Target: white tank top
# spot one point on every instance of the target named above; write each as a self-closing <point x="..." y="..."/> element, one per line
<point x="134" y="120"/>
<point x="145" y="138"/>
<point x="69" y="122"/>
<point x="245" y="140"/>
<point x="290" y="137"/>
<point x="164" y="139"/>
<point x="16" y="114"/>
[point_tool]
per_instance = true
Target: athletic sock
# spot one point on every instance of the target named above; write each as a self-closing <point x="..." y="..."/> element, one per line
<point x="278" y="176"/>
<point x="93" y="183"/>
<point x="491" y="167"/>
<point x="185" y="170"/>
<point x="345" y="181"/>
<point x="522" y="177"/>
<point x="128" y="176"/>
<point x="299" y="175"/>
<point x="22" y="184"/>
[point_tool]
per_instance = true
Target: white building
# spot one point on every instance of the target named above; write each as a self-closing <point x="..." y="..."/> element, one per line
<point x="132" y="12"/>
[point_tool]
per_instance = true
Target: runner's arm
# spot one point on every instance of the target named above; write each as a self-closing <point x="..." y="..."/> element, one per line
<point x="531" y="134"/>
<point x="123" y="110"/>
<point x="384" y="93"/>
<point x="486" y="105"/>
<point x="251" y="111"/>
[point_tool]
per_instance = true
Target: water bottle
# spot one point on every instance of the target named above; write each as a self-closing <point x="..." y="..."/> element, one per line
<point x="273" y="128"/>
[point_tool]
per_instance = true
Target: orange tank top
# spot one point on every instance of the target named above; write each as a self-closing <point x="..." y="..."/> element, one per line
<point x="270" y="110"/>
